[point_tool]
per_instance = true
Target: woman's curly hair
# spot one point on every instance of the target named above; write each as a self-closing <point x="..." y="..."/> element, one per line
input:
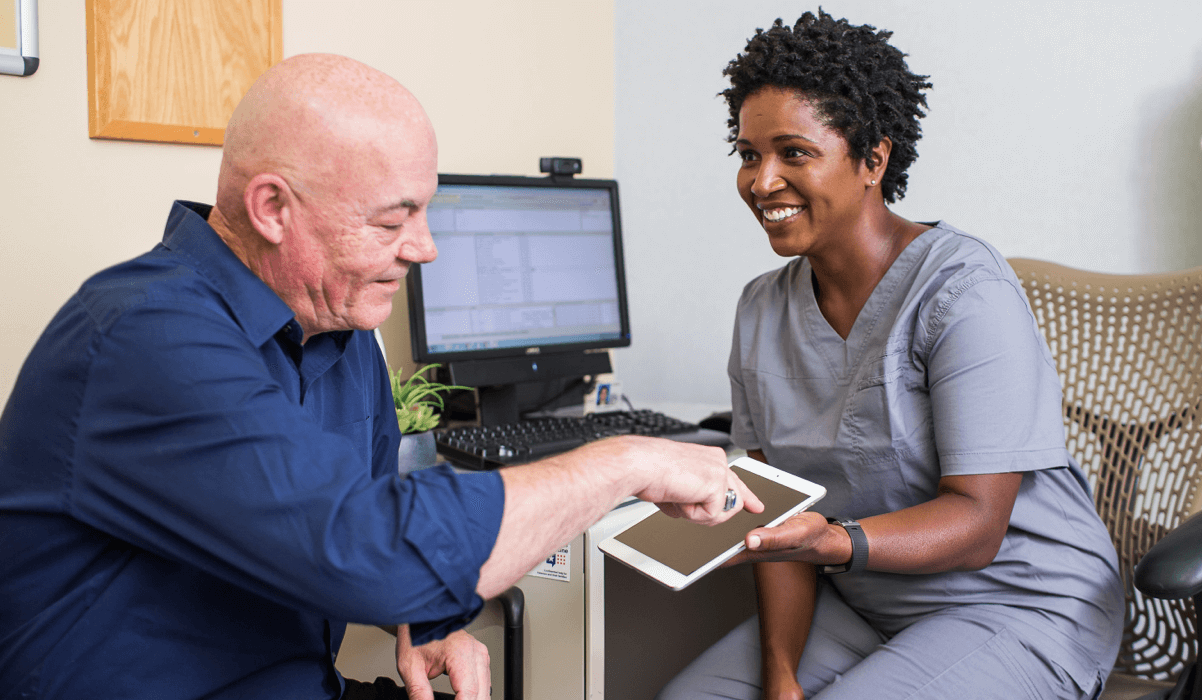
<point x="858" y="83"/>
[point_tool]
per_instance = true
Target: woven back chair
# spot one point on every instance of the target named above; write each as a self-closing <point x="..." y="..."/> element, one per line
<point x="1128" y="349"/>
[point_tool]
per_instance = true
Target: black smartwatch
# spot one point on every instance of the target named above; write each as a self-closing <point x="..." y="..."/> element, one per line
<point x="859" y="548"/>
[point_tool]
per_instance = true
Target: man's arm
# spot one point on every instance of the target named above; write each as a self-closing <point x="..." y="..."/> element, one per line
<point x="550" y="502"/>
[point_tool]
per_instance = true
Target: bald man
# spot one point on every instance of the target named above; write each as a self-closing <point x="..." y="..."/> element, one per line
<point x="198" y="461"/>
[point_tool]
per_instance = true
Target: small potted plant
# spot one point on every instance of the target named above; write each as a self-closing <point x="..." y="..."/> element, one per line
<point x="418" y="402"/>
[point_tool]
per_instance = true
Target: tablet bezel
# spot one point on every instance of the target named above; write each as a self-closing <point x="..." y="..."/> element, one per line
<point x="675" y="580"/>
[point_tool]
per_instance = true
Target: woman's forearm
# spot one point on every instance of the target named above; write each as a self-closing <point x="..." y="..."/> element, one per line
<point x="960" y="529"/>
<point x="786" y="592"/>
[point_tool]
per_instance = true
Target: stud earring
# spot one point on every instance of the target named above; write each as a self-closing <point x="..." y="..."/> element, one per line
<point x="873" y="182"/>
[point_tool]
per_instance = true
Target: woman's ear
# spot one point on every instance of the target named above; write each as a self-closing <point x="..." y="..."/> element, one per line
<point x="269" y="202"/>
<point x="877" y="161"/>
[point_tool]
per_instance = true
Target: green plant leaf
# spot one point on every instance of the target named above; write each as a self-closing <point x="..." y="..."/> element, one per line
<point x="417" y="398"/>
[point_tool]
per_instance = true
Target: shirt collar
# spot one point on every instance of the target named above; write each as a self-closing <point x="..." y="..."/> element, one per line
<point x="258" y="310"/>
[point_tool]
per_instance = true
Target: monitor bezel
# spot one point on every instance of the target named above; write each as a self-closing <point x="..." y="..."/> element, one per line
<point x="417" y="318"/>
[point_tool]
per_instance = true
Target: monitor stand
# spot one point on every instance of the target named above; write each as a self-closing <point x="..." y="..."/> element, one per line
<point x="498" y="404"/>
<point x="510" y="386"/>
<point x="509" y="403"/>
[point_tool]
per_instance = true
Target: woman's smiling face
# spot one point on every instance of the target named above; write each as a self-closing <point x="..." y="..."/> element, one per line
<point x="797" y="175"/>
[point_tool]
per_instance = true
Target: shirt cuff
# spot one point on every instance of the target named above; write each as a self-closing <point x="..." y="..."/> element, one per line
<point x="453" y="526"/>
<point x="423" y="632"/>
<point x="966" y="463"/>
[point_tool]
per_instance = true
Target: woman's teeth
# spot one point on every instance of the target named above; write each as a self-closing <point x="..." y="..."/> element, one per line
<point x="779" y="214"/>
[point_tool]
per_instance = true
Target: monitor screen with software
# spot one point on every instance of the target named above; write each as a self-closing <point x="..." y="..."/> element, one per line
<point x="528" y="285"/>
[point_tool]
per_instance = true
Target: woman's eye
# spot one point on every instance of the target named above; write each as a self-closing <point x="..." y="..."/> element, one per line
<point x="747" y="156"/>
<point x="795" y="153"/>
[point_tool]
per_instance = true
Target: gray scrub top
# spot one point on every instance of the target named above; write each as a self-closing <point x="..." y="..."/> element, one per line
<point x="944" y="372"/>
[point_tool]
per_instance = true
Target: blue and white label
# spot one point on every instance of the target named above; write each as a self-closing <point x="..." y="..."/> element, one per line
<point x="557" y="566"/>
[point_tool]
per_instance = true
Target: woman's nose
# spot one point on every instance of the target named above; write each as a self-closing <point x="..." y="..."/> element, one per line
<point x="767" y="178"/>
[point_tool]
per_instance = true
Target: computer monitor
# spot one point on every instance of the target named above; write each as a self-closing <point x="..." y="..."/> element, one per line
<point x="528" y="287"/>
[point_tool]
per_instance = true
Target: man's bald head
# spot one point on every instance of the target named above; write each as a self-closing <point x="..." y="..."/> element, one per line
<point x="326" y="172"/>
<point x="305" y="115"/>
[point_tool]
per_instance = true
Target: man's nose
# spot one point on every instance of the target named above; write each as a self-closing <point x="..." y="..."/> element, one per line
<point x="419" y="247"/>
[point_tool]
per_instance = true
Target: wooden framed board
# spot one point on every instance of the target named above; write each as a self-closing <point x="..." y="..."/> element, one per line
<point x="173" y="70"/>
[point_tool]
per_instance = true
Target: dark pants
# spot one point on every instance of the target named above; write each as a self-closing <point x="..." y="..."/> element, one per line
<point x="383" y="689"/>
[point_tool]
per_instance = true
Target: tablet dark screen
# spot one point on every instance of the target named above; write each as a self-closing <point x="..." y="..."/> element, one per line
<point x="686" y="546"/>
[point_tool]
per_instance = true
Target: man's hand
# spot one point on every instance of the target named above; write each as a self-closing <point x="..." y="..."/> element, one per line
<point x="689" y="481"/>
<point x="549" y="502"/>
<point x="459" y="655"/>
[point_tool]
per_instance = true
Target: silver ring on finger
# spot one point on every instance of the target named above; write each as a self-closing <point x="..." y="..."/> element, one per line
<point x="731" y="499"/>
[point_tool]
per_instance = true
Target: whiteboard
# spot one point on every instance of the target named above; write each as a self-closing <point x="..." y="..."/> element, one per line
<point x="18" y="37"/>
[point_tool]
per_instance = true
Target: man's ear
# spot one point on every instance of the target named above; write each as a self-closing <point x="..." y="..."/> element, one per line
<point x="269" y="203"/>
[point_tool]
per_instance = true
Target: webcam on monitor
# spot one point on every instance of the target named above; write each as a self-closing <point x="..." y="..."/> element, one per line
<point x="559" y="167"/>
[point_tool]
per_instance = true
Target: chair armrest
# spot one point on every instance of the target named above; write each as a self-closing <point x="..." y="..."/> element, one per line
<point x="1172" y="568"/>
<point x="513" y="606"/>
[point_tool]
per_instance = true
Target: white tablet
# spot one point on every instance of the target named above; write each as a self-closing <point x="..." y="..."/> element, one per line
<point x="677" y="552"/>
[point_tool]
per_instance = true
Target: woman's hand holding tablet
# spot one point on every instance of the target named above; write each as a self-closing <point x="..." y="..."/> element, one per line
<point x="676" y="552"/>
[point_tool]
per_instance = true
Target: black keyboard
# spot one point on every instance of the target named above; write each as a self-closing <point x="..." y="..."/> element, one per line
<point x="480" y="447"/>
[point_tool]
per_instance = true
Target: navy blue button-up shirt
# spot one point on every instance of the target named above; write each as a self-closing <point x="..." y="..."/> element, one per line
<point x="192" y="503"/>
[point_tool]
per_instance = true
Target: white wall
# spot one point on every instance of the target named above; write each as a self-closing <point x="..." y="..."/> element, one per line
<point x="497" y="79"/>
<point x="1061" y="130"/>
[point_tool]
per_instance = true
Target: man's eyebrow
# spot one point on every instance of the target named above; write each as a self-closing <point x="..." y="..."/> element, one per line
<point x="402" y="204"/>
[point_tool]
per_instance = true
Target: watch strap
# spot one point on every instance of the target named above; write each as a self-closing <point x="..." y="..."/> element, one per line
<point x="859" y="548"/>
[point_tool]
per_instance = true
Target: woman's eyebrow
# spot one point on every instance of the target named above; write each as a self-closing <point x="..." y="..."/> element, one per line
<point x="782" y="137"/>
<point x="790" y="137"/>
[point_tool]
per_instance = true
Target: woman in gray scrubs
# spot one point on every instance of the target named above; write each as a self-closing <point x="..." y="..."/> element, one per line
<point x="957" y="553"/>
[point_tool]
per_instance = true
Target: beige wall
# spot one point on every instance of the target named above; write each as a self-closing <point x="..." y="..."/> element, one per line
<point x="504" y="83"/>
<point x="8" y="27"/>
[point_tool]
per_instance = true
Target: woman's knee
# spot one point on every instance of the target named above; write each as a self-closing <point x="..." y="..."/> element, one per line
<point x="730" y="669"/>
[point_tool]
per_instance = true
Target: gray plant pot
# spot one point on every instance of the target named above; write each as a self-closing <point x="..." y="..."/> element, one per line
<point x="417" y="451"/>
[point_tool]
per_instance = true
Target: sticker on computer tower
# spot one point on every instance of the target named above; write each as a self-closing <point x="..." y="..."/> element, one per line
<point x="557" y="566"/>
